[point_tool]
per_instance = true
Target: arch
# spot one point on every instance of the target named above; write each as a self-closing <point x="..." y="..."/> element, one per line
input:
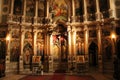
<point x="93" y="58"/>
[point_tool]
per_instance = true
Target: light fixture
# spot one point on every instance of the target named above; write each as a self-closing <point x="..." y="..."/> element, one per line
<point x="113" y="36"/>
<point x="8" y="38"/>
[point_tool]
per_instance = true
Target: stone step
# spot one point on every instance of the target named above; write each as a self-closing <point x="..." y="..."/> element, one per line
<point x="108" y="71"/>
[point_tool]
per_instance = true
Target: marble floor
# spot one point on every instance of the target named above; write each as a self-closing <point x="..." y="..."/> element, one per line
<point x="93" y="72"/>
<point x="96" y="75"/>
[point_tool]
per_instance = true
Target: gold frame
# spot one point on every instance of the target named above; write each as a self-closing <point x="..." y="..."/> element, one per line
<point x="36" y="59"/>
<point x="81" y="59"/>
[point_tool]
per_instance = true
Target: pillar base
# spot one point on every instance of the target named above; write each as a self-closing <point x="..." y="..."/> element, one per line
<point x="21" y="64"/>
<point x="100" y="67"/>
<point x="50" y="60"/>
<point x="7" y="63"/>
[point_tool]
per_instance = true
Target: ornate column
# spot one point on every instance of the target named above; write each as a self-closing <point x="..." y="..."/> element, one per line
<point x="34" y="43"/>
<point x="50" y="59"/>
<point x="24" y="11"/>
<point x="22" y="36"/>
<point x="45" y="44"/>
<point x="86" y="32"/>
<point x="73" y="47"/>
<point x="12" y="7"/>
<point x="11" y="10"/>
<point x="112" y="9"/>
<point x="36" y="12"/>
<point x="98" y="16"/>
<point x="48" y="44"/>
<point x="70" y="54"/>
<point x="85" y="11"/>
<point x="69" y="40"/>
<point x="73" y="10"/>
<point x="86" y="37"/>
<point x="99" y="47"/>
<point x="74" y="40"/>
<point x="7" y="61"/>
<point x="47" y="8"/>
<point x="51" y="44"/>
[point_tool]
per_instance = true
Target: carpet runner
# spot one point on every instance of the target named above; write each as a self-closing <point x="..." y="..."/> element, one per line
<point x="57" y="77"/>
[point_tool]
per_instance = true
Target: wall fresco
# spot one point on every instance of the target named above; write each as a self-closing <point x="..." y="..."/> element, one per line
<point x="41" y="9"/>
<point x="15" y="34"/>
<point x="58" y="10"/>
<point x="30" y="8"/>
<point x="15" y="51"/>
<point x="28" y="35"/>
<point x="28" y="52"/>
<point x="40" y="35"/>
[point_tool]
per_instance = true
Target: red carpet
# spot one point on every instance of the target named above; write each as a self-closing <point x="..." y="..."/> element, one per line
<point x="57" y="77"/>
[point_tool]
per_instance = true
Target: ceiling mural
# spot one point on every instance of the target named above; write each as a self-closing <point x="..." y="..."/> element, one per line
<point x="58" y="10"/>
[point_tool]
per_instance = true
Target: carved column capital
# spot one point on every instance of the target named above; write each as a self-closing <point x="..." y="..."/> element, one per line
<point x="69" y="28"/>
<point x="86" y="28"/>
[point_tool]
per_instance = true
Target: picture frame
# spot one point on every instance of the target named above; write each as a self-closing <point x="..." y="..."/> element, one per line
<point x="81" y="59"/>
<point x="36" y="59"/>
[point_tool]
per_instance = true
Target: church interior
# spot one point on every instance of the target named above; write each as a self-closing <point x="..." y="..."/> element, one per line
<point x="60" y="36"/>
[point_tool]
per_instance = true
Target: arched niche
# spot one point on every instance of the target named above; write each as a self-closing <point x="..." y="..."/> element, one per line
<point x="93" y="51"/>
<point x="18" y="7"/>
<point x="27" y="55"/>
<point x="107" y="50"/>
<point x="15" y="51"/>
